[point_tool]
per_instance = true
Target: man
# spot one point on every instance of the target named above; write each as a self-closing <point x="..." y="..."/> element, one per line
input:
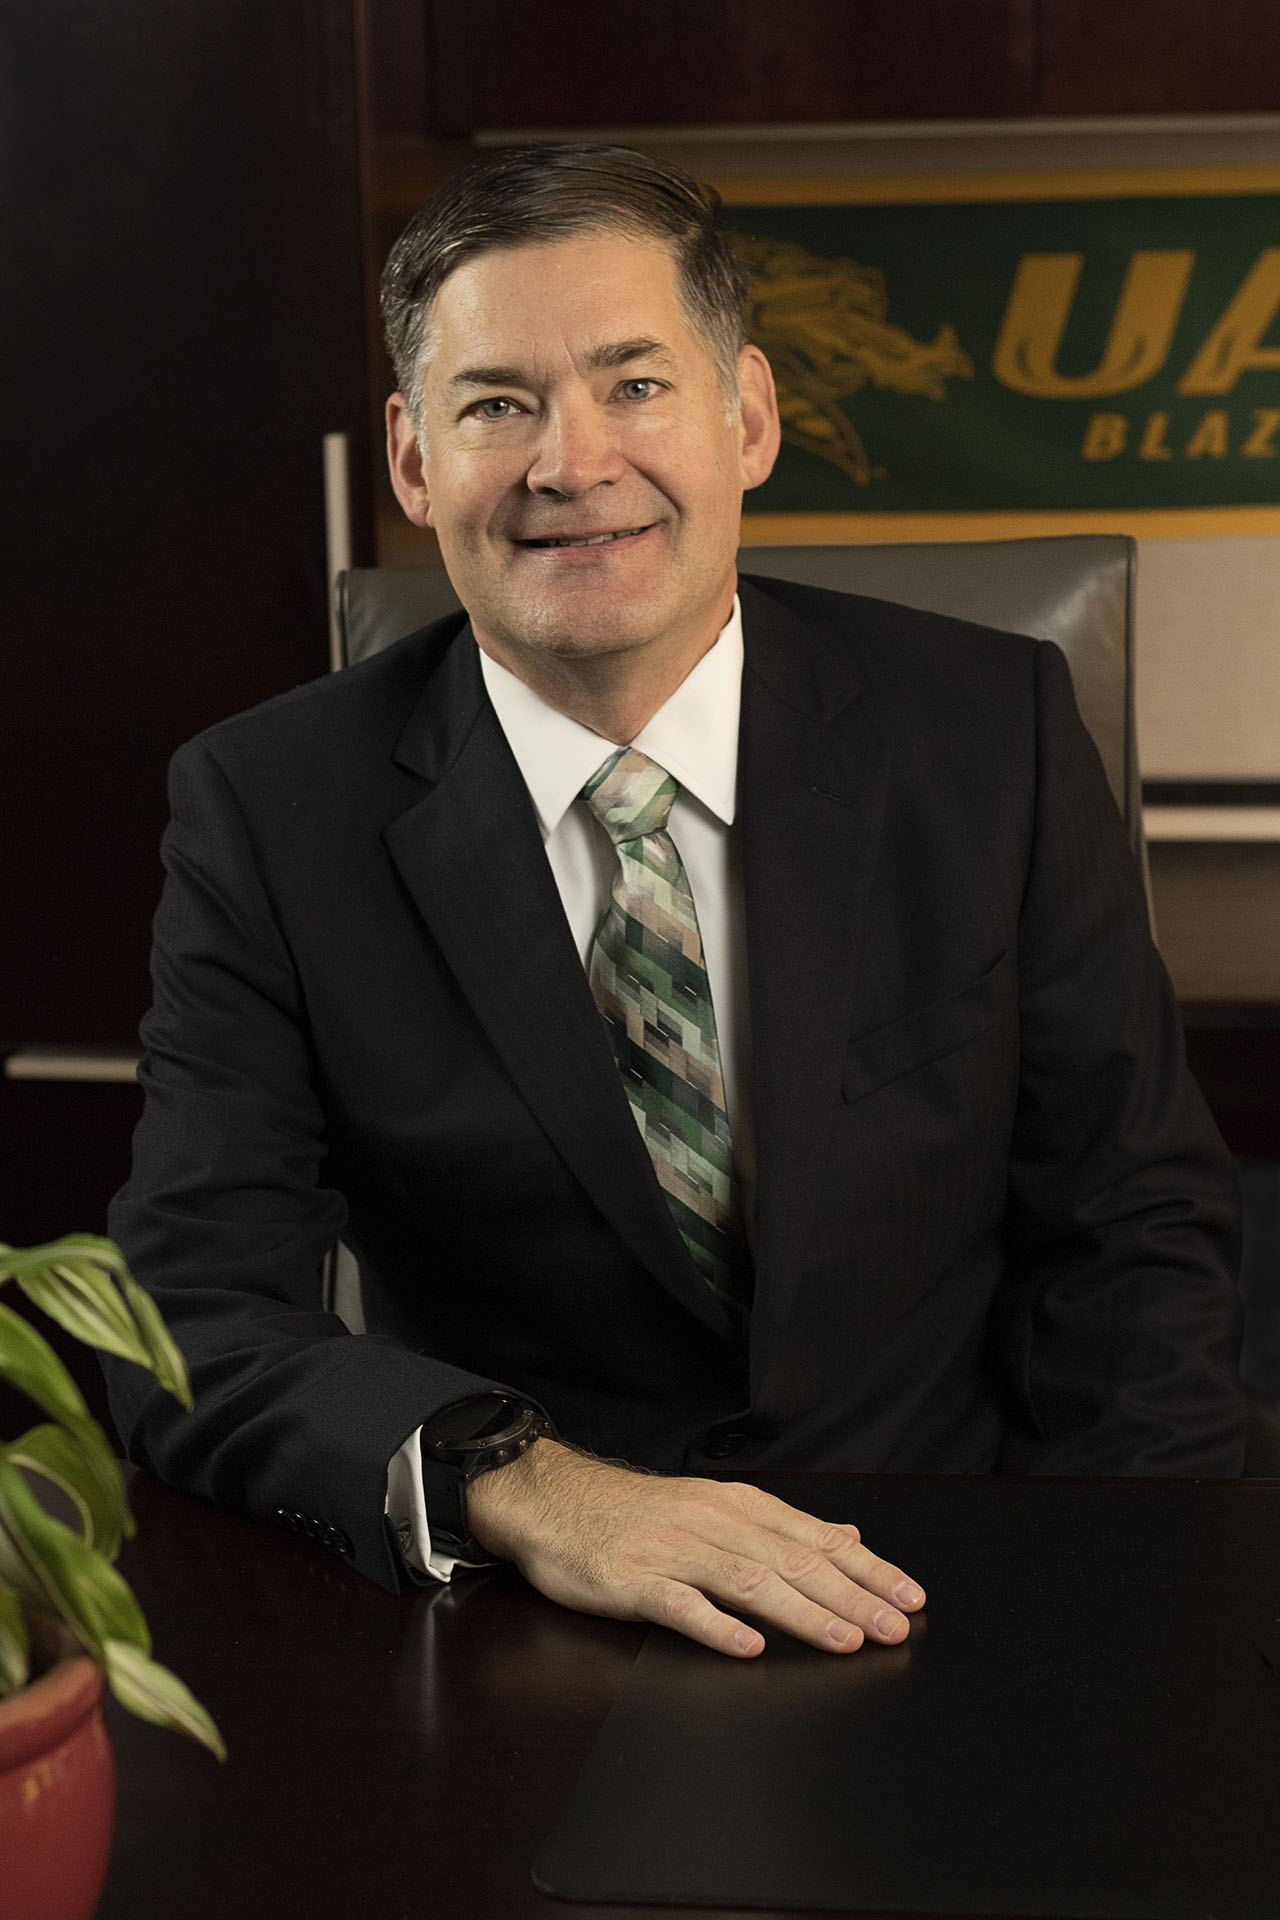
<point x="721" y="1022"/>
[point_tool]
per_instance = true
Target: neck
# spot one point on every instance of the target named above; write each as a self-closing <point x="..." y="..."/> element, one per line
<point x="616" y="711"/>
<point x="615" y="695"/>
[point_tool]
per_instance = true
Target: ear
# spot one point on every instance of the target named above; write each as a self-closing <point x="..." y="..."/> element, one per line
<point x="761" y="432"/>
<point x="404" y="457"/>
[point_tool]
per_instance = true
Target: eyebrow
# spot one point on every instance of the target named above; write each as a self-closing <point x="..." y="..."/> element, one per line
<point x="612" y="353"/>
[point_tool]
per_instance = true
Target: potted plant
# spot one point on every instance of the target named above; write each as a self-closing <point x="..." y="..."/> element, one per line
<point x="68" y="1621"/>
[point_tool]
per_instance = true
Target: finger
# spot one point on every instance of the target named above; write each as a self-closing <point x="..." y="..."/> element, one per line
<point x="691" y="1613"/>
<point x="863" y="1581"/>
<point x="842" y="1602"/>
<point x="877" y="1576"/>
<point x="785" y="1584"/>
<point x="842" y="1543"/>
<point x="749" y="1585"/>
<point x="799" y="1588"/>
<point x="812" y="1571"/>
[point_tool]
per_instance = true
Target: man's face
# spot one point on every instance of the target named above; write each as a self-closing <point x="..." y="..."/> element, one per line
<point x="569" y="401"/>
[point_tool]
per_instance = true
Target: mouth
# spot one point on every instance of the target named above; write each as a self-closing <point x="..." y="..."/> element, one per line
<point x="586" y="539"/>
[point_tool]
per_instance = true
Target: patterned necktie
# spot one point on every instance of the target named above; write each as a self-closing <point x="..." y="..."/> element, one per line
<point x="650" y="984"/>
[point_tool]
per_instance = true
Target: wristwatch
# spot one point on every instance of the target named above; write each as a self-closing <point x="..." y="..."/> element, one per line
<point x="464" y="1440"/>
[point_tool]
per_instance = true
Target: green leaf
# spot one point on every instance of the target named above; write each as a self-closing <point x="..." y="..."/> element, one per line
<point x="90" y="1480"/>
<point x="51" y="1568"/>
<point x="165" y="1357"/>
<point x="72" y="1281"/>
<point x="15" y="1645"/>
<point x="154" y="1693"/>
<point x="82" y="1283"/>
<point x="30" y="1363"/>
<point x="27" y="1359"/>
<point x="87" y="1302"/>
<point x="15" y="1260"/>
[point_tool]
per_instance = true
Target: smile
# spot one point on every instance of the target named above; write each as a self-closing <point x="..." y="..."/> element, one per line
<point x="587" y="539"/>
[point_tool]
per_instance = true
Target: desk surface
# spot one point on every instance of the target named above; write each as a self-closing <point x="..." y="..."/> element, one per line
<point x="397" y="1757"/>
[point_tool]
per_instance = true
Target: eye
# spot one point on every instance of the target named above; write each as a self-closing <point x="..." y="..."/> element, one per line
<point x="639" y="389"/>
<point x="495" y="409"/>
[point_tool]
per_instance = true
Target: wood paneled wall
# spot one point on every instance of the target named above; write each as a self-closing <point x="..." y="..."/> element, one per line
<point x="184" y="317"/>
<point x="186" y="232"/>
<point x="1159" y="56"/>
<point x="664" y="62"/>
<point x="582" y="63"/>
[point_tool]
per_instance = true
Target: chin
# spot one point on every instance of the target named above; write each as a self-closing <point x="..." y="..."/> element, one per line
<point x="579" y="634"/>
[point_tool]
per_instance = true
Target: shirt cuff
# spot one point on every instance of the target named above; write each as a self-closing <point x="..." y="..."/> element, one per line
<point x="406" y="1508"/>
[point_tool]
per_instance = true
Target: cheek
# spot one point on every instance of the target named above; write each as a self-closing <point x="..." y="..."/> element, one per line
<point x="695" y="471"/>
<point x="464" y="494"/>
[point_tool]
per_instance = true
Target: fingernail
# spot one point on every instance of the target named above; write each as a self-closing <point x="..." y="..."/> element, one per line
<point x="889" y="1625"/>
<point x="907" y="1593"/>
<point x="746" y="1641"/>
<point x="843" y="1634"/>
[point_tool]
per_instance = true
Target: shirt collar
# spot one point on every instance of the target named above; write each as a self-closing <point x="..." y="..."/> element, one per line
<point x="694" y="735"/>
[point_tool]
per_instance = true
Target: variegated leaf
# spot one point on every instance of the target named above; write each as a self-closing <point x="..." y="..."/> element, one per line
<point x="30" y="1363"/>
<point x="150" y="1690"/>
<point x="15" y="1644"/>
<point x="88" y="1476"/>
<point x="163" y="1354"/>
<point x="50" y="1567"/>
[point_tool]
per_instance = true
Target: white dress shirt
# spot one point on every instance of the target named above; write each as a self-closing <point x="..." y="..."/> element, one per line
<point x="694" y="737"/>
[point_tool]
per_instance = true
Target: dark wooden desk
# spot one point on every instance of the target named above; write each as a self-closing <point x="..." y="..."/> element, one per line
<point x="404" y="1757"/>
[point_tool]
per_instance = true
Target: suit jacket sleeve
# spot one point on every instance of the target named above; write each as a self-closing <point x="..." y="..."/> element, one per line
<point x="1119" y="1318"/>
<point x="228" y="1218"/>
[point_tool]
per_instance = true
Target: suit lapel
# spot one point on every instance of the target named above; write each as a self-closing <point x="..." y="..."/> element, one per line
<point x="814" y="777"/>
<point x="471" y="855"/>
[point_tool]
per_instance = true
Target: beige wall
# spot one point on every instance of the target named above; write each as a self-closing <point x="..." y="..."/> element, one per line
<point x="1208" y="635"/>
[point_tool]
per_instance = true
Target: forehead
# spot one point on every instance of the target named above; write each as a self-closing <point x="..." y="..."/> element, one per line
<point x="550" y="296"/>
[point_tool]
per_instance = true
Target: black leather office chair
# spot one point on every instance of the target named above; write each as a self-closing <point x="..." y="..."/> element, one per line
<point x="1077" y="590"/>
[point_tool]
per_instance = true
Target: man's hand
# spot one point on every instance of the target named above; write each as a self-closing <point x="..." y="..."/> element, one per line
<point x="640" y="1546"/>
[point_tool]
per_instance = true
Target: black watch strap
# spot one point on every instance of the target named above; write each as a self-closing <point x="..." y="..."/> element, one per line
<point x="460" y="1442"/>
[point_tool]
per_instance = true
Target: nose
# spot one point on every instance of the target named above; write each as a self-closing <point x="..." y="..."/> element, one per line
<point x="577" y="448"/>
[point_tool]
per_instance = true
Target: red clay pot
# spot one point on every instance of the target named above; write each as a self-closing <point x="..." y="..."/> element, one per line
<point x="57" y="1792"/>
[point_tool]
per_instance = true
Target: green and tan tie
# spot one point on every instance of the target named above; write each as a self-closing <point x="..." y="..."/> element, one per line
<point x="650" y="984"/>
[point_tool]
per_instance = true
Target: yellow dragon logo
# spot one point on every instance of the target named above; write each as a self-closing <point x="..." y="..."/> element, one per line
<point x="824" y="326"/>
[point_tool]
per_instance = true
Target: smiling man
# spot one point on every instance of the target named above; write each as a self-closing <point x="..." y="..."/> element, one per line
<point x="582" y="459"/>
<point x="720" y="1016"/>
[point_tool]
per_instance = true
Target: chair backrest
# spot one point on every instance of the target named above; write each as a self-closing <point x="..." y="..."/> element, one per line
<point x="1076" y="590"/>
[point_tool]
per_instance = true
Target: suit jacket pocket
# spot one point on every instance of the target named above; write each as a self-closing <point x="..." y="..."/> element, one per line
<point x="926" y="1033"/>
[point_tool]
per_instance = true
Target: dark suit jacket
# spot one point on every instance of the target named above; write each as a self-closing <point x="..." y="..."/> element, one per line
<point x="995" y="1223"/>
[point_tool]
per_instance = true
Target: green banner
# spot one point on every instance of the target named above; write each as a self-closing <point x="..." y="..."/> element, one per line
<point x="1097" y="346"/>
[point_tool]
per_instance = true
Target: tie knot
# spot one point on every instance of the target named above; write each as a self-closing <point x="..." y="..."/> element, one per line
<point x="630" y="795"/>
